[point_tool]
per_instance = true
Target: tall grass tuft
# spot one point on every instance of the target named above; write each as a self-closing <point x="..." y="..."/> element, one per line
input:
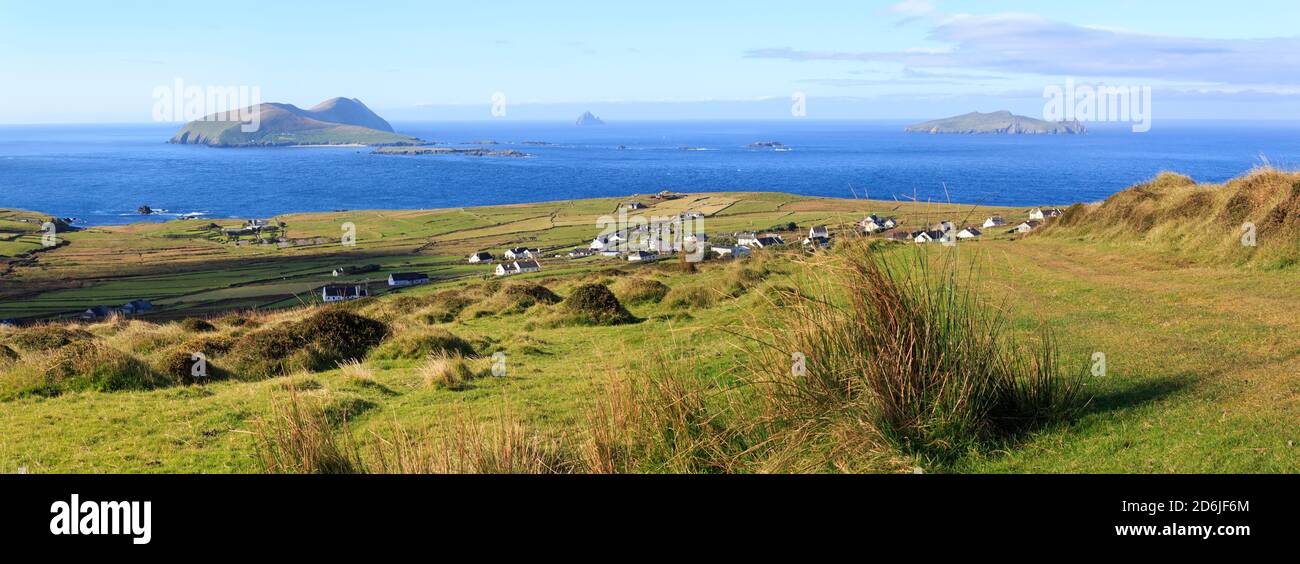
<point x="911" y="356"/>
<point x="298" y="438"/>
<point x="666" y="416"/>
<point x="462" y="446"/>
<point x="448" y="371"/>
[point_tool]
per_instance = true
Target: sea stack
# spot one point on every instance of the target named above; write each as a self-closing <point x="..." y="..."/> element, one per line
<point x="589" y="118"/>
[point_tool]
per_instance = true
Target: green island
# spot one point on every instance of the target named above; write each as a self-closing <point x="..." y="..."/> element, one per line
<point x="337" y="121"/>
<point x="1002" y="123"/>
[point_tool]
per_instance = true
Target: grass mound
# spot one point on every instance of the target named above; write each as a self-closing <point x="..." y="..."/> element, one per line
<point x="641" y="290"/>
<point x="184" y="366"/>
<point x="196" y="325"/>
<point x="81" y="366"/>
<point x="7" y="354"/>
<point x="514" y="298"/>
<point x="691" y="297"/>
<point x="529" y="294"/>
<point x="319" y="342"/>
<point x="422" y="344"/>
<point x="594" y="304"/>
<point x="449" y="372"/>
<point x="47" y="337"/>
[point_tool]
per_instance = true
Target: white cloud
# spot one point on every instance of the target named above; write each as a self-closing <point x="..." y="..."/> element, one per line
<point x="1034" y="45"/>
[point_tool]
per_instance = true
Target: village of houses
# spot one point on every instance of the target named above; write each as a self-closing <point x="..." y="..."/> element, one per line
<point x="648" y="242"/>
<point x="673" y="236"/>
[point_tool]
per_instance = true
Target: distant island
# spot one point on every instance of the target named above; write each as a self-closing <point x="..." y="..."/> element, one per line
<point x="589" y="118"/>
<point x="1003" y="122"/>
<point x="766" y="145"/>
<point x="450" y="151"/>
<point x="339" y="121"/>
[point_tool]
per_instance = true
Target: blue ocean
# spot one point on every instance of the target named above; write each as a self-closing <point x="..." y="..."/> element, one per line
<point x="101" y="174"/>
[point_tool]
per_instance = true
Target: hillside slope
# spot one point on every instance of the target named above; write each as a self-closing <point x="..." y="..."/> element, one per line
<point x="1252" y="220"/>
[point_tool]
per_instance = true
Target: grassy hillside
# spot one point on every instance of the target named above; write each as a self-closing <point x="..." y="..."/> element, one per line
<point x="684" y="370"/>
<point x="1253" y="220"/>
<point x="188" y="268"/>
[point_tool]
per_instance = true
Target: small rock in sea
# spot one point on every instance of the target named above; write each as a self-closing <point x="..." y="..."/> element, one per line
<point x="145" y="210"/>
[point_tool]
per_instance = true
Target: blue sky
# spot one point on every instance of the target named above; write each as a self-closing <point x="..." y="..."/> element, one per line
<point x="100" y="61"/>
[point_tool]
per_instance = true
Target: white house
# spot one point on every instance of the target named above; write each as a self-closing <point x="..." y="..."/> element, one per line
<point x="1040" y="214"/>
<point x="137" y="307"/>
<point x="922" y="237"/>
<point x="518" y="267"/>
<point x="607" y="242"/>
<point x="481" y="256"/>
<point x="995" y="221"/>
<point x="344" y="292"/>
<point x="870" y="226"/>
<point x="819" y="232"/>
<point x="521" y="253"/>
<point x="817" y="242"/>
<point x="97" y="312"/>
<point x="407" y="279"/>
<point x="943" y="227"/>
<point x="761" y="242"/>
<point x="1028" y="226"/>
<point x="642" y="256"/>
<point x="746" y="239"/>
<point x="732" y="252"/>
<point x="633" y="206"/>
<point x="969" y="233"/>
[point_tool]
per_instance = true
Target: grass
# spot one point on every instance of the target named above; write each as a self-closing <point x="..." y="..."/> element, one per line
<point x="1196" y="375"/>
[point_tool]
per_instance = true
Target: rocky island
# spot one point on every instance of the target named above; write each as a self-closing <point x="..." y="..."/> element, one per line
<point x="339" y="121"/>
<point x="450" y="151"/>
<point x="589" y="118"/>
<point x="766" y="145"/>
<point x="1004" y="123"/>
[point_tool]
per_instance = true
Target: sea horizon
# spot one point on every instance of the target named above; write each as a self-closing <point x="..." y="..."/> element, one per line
<point x="116" y="168"/>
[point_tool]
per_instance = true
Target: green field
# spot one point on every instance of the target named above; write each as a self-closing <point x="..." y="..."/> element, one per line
<point x="1200" y="361"/>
